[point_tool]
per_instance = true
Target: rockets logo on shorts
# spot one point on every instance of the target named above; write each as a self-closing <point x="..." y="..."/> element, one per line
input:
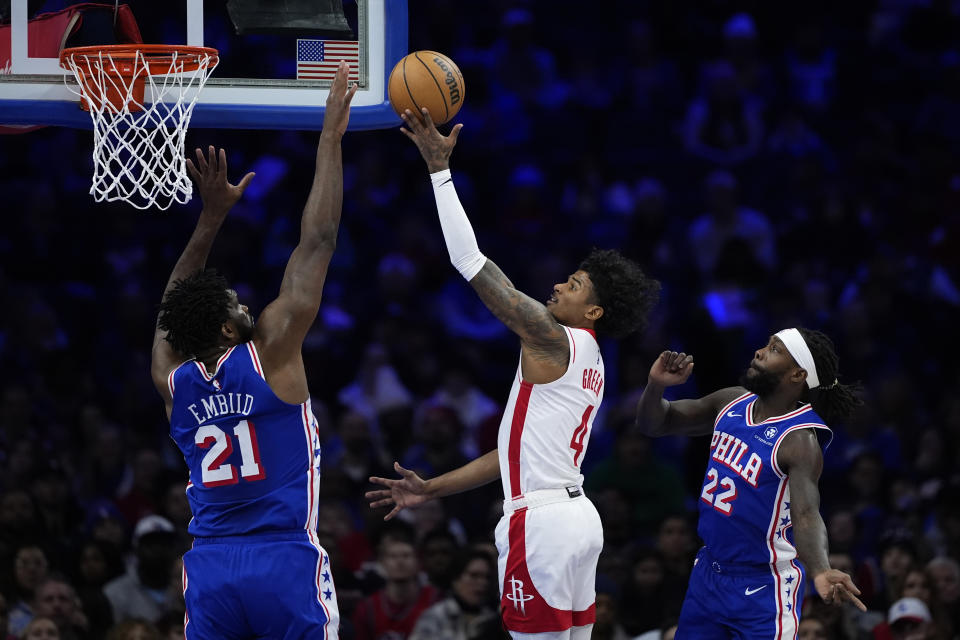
<point x="516" y="595"/>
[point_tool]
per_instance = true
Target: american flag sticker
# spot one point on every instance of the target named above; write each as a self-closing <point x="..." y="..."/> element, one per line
<point x="319" y="59"/>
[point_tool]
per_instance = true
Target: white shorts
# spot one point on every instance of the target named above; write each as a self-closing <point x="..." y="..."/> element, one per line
<point x="549" y="544"/>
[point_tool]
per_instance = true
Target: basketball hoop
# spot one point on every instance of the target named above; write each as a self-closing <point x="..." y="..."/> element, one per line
<point x="138" y="145"/>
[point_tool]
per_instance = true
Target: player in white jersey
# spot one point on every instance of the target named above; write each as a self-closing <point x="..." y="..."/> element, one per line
<point x="550" y="536"/>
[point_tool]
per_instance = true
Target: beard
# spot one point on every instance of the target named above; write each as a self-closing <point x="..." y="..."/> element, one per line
<point x="245" y="332"/>
<point x="762" y="383"/>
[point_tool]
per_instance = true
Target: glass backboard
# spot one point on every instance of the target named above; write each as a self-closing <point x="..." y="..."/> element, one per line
<point x="268" y="78"/>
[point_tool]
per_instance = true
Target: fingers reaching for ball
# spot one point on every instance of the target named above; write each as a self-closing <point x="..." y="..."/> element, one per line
<point x="427" y="79"/>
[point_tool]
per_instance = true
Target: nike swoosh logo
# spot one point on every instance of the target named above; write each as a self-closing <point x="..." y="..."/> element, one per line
<point x="731" y="414"/>
<point x="749" y="592"/>
<point x="445" y="182"/>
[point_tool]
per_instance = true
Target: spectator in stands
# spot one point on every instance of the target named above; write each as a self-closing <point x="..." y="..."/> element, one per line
<point x="30" y="569"/>
<point x="136" y="630"/>
<point x="470" y="611"/>
<point x="40" y="628"/>
<point x="57" y="600"/>
<point x="395" y="608"/>
<point x="438" y="556"/>
<point x="144" y="590"/>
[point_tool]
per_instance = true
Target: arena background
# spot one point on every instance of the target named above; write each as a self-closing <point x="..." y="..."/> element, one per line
<point x="773" y="164"/>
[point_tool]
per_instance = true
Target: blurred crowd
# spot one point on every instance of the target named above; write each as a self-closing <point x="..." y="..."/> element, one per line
<point x="773" y="165"/>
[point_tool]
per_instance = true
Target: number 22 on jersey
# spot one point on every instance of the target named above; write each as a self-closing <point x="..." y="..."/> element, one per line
<point x="721" y="501"/>
<point x="216" y="471"/>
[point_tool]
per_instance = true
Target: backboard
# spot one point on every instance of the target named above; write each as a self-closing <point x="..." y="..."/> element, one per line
<point x="276" y="79"/>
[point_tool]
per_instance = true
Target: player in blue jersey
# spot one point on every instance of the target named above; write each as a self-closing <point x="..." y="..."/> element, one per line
<point x="760" y="504"/>
<point x="236" y="395"/>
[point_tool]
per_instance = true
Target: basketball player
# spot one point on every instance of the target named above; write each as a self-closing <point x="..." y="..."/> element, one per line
<point x="550" y="536"/>
<point x="759" y="507"/>
<point x="236" y="395"/>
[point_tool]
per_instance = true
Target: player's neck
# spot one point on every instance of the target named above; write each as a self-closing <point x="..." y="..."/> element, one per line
<point x="775" y="404"/>
<point x="209" y="357"/>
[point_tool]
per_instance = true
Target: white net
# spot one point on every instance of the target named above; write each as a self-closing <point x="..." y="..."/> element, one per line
<point x="138" y="145"/>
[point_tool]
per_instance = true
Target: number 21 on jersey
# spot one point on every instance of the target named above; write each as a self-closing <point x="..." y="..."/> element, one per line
<point x="721" y="500"/>
<point x="216" y="471"/>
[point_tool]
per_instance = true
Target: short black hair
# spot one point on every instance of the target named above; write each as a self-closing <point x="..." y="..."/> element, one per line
<point x="439" y="533"/>
<point x="395" y="531"/>
<point x="465" y="557"/>
<point x="619" y="286"/>
<point x="194" y="310"/>
<point x="831" y="400"/>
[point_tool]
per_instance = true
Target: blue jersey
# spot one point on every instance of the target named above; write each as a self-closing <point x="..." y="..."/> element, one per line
<point x="254" y="460"/>
<point x="745" y="501"/>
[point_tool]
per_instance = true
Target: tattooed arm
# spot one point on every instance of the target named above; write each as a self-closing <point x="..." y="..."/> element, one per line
<point x="545" y="348"/>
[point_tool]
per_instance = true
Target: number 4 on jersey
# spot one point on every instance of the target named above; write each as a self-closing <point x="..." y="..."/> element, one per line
<point x="216" y="471"/>
<point x="576" y="443"/>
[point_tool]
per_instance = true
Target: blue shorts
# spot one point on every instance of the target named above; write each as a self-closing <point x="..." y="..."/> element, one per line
<point x="263" y="586"/>
<point x="748" y="602"/>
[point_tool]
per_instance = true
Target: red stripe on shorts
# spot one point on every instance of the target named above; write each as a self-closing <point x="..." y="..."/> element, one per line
<point x="524" y="609"/>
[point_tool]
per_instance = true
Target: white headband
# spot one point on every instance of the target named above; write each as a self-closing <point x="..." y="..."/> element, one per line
<point x="797" y="347"/>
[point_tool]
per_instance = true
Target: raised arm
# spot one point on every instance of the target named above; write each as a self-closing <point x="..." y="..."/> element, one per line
<point x="545" y="345"/>
<point x="657" y="416"/>
<point x="411" y="490"/>
<point x="800" y="457"/>
<point x="284" y="323"/>
<point x="219" y="196"/>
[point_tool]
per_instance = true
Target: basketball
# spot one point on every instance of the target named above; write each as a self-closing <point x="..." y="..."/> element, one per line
<point x="427" y="79"/>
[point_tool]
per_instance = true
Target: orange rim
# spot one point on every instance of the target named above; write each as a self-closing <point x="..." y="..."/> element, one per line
<point x="157" y="56"/>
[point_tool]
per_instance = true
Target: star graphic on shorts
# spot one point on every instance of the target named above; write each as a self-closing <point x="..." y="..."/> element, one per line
<point x="779" y="534"/>
<point x="788" y="591"/>
<point x="789" y="607"/>
<point x="789" y="579"/>
<point x="786" y="505"/>
<point x="327" y="594"/>
<point x="326" y="576"/>
<point x="784" y="521"/>
<point x="326" y="560"/>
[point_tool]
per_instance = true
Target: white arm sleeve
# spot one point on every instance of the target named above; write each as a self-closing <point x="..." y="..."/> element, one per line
<point x="461" y="242"/>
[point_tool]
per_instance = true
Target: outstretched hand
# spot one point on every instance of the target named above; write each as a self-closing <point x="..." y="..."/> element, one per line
<point x="409" y="491"/>
<point x="434" y="146"/>
<point x="835" y="587"/>
<point x="210" y="174"/>
<point x="671" y="368"/>
<point x="336" y="115"/>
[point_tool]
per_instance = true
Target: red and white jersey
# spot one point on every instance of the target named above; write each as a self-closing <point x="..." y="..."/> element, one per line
<point x="546" y="427"/>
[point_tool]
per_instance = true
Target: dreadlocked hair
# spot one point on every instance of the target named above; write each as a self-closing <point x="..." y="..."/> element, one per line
<point x="831" y="400"/>
<point x="194" y="310"/>
<point x="626" y="294"/>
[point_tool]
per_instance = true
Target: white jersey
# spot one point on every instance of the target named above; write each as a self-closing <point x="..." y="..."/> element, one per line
<point x="546" y="427"/>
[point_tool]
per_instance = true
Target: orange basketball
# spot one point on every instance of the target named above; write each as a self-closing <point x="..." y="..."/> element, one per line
<point x="427" y="79"/>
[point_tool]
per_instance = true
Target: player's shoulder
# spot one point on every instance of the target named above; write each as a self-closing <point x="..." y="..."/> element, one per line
<point x="723" y="399"/>
<point x="582" y="335"/>
<point x="586" y="349"/>
<point x="811" y="418"/>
